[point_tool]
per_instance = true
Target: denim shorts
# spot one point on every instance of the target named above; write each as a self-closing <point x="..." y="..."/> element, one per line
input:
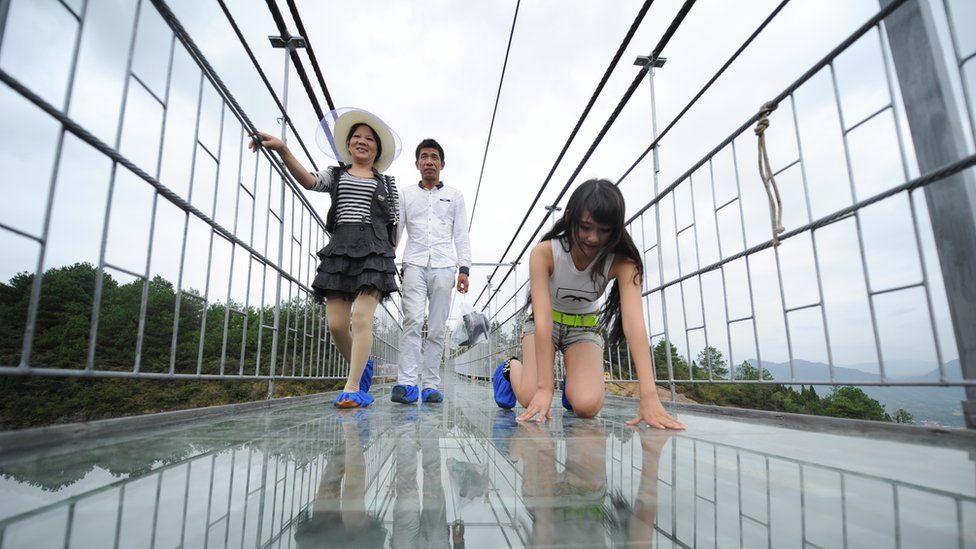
<point x="564" y="336"/>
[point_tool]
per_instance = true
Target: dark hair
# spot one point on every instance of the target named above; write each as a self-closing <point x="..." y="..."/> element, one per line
<point x="376" y="136"/>
<point x="603" y="200"/>
<point x="428" y="144"/>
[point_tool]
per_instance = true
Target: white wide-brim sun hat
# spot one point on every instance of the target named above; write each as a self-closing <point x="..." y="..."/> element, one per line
<point x="330" y="136"/>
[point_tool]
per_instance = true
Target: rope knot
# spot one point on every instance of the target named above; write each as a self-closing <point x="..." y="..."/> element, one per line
<point x="766" y="173"/>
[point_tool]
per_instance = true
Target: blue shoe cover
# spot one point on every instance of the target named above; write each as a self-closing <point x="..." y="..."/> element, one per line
<point x="431" y="395"/>
<point x="366" y="381"/>
<point x="504" y="395"/>
<point x="358" y="399"/>
<point x="566" y="403"/>
<point x="405" y="394"/>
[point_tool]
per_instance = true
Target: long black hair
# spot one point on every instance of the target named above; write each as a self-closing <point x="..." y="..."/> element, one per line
<point x="605" y="204"/>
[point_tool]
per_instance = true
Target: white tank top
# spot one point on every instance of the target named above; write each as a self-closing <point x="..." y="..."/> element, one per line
<point x="572" y="290"/>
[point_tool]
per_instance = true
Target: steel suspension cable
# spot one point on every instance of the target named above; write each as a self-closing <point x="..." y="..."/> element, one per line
<point x="579" y="123"/>
<point x="493" y="113"/>
<point x="311" y="53"/>
<point x="665" y="38"/>
<point x="826" y="60"/>
<point x="264" y="78"/>
<point x="705" y="88"/>
<point x="295" y="59"/>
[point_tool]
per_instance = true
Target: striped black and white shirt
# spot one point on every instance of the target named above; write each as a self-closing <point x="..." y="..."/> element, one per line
<point x="355" y="194"/>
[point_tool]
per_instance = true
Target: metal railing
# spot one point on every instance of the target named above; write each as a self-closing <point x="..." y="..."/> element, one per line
<point x="141" y="238"/>
<point x="871" y="265"/>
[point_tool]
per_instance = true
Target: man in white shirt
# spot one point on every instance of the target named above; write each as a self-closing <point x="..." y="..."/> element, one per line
<point x="436" y="222"/>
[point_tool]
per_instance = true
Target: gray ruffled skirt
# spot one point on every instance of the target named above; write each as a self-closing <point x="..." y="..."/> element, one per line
<point x="354" y="261"/>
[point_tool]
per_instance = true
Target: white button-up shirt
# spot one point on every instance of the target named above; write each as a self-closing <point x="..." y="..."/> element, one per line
<point x="434" y="220"/>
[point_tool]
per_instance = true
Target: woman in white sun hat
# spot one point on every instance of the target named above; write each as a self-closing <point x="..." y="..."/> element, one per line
<point x="357" y="269"/>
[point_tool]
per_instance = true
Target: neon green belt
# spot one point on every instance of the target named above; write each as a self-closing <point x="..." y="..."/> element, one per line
<point x="577" y="321"/>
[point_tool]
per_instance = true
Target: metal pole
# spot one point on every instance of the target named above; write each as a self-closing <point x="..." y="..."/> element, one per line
<point x="656" y="63"/>
<point x="933" y="115"/>
<point x="288" y="43"/>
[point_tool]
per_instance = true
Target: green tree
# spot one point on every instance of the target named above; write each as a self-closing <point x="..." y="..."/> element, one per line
<point x="852" y="402"/>
<point x="902" y="415"/>
<point x="711" y="358"/>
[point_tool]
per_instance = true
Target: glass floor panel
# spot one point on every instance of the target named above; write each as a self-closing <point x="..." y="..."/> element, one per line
<point x="465" y="473"/>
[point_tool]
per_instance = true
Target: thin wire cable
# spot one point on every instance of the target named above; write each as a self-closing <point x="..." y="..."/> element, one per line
<point x="705" y="88"/>
<point x="579" y="123"/>
<point x="665" y="38"/>
<point x="494" y="111"/>
<point x="264" y="78"/>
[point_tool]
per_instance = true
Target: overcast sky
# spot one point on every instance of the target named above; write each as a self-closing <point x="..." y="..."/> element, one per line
<point x="431" y="69"/>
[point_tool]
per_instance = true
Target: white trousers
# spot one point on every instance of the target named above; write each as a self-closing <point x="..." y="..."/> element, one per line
<point x="423" y="285"/>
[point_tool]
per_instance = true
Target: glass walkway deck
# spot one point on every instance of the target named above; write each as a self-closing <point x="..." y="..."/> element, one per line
<point x="465" y="472"/>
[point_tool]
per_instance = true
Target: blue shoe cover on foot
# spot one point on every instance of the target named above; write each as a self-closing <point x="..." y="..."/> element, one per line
<point x="405" y="394"/>
<point x="358" y="399"/>
<point x="504" y="395"/>
<point x="366" y="381"/>
<point x="566" y="403"/>
<point x="431" y="395"/>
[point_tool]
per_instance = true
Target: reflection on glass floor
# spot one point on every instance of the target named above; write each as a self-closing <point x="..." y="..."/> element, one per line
<point x="465" y="472"/>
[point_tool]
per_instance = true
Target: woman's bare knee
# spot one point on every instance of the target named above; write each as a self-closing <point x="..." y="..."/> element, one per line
<point x="587" y="406"/>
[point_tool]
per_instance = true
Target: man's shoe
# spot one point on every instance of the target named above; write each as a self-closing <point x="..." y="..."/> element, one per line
<point x="502" y="387"/>
<point x="366" y="381"/>
<point x="432" y="395"/>
<point x="404" y="394"/>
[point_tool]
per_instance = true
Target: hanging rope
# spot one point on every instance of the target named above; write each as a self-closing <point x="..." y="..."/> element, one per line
<point x="766" y="173"/>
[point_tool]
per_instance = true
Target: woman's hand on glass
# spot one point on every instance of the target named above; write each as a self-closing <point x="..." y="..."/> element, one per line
<point x="539" y="407"/>
<point x="653" y="413"/>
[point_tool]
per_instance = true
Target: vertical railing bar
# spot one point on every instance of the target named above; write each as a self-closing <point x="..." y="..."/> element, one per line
<point x="230" y="495"/>
<point x="186" y="502"/>
<point x="694" y="483"/>
<point x="247" y="494"/>
<point x="843" y="510"/>
<point x="701" y="291"/>
<point x="681" y="286"/>
<point x="213" y="215"/>
<point x="769" y="508"/>
<point x="960" y="535"/>
<point x="118" y="517"/>
<point x="779" y="268"/>
<point x="857" y="223"/>
<point x="803" y="507"/>
<point x="894" y="497"/>
<point x="186" y="227"/>
<point x="100" y="270"/>
<point x="69" y="526"/>
<point x="155" y="518"/>
<point x="721" y="255"/>
<point x="738" y="479"/>
<point x="233" y="248"/>
<point x="742" y="225"/>
<point x="35" y="296"/>
<point x="250" y="270"/>
<point x="886" y="62"/>
<point x="813" y="233"/>
<point x="144" y="299"/>
<point x="206" y="533"/>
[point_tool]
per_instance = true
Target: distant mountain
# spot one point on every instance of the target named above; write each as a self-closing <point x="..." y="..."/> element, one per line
<point x="927" y="404"/>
